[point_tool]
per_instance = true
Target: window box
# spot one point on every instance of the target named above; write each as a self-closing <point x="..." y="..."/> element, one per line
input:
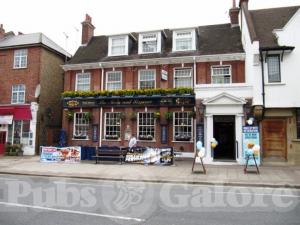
<point x="182" y="138"/>
<point x="146" y="137"/>
<point x="111" y="137"/>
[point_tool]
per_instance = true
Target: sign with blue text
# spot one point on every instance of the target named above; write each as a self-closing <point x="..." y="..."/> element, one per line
<point x="64" y="154"/>
<point x="250" y="144"/>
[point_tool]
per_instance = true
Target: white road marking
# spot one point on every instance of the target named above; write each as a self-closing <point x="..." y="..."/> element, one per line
<point x="71" y="211"/>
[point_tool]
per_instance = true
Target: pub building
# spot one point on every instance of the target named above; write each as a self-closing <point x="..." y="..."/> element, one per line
<point x="146" y="84"/>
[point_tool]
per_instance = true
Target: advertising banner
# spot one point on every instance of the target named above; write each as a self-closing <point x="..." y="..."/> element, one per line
<point x="157" y="156"/>
<point x="64" y="154"/>
<point x="251" y="139"/>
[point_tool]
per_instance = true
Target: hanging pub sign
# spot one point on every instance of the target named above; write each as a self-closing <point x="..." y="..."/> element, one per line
<point x="251" y="144"/>
<point x="164" y="75"/>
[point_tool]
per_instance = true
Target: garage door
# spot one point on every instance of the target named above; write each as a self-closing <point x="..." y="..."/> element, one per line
<point x="274" y="138"/>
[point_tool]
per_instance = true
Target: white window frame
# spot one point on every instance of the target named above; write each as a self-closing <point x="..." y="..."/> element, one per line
<point x="87" y="124"/>
<point x="138" y="125"/>
<point x="20" y="57"/>
<point x="105" y="125"/>
<point x="220" y="66"/>
<point x="174" y="126"/>
<point x="24" y="141"/>
<point x="110" y="40"/>
<point x="18" y="94"/>
<point x="139" y="78"/>
<point x="89" y="81"/>
<point x="142" y="40"/>
<point x="175" y="37"/>
<point x="182" y="68"/>
<point x="106" y="80"/>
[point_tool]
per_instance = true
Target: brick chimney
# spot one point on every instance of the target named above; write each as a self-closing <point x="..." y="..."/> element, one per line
<point x="244" y="3"/>
<point x="2" y="31"/>
<point x="234" y="15"/>
<point x="87" y="29"/>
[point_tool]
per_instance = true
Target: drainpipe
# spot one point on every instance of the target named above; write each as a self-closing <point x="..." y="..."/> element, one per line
<point x="195" y="108"/>
<point x="101" y="109"/>
<point x="263" y="78"/>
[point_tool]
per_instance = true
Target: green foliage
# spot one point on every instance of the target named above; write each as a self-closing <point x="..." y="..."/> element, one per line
<point x="168" y="116"/>
<point x="129" y="92"/>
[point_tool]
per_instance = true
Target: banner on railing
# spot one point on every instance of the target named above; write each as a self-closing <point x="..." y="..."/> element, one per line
<point x="63" y="154"/>
<point x="157" y="156"/>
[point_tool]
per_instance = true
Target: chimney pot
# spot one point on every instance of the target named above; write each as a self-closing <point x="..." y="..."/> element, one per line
<point x="2" y="31"/>
<point x="87" y="29"/>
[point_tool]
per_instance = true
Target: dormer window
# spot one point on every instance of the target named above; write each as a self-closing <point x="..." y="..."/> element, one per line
<point x="118" y="45"/>
<point x="184" y="40"/>
<point x="149" y="43"/>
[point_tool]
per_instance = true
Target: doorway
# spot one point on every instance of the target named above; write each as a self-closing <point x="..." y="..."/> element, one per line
<point x="224" y="133"/>
<point x="2" y="141"/>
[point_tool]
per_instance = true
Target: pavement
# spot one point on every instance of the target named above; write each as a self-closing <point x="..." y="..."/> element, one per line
<point x="180" y="173"/>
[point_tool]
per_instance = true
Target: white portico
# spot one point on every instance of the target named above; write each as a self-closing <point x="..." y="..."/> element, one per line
<point x="224" y="118"/>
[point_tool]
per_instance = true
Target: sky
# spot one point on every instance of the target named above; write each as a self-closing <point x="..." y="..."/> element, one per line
<point x="60" y="18"/>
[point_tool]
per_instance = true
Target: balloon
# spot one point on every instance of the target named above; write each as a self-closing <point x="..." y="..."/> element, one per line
<point x="250" y="152"/>
<point x="199" y="145"/>
<point x="202" y="152"/>
<point x="132" y="142"/>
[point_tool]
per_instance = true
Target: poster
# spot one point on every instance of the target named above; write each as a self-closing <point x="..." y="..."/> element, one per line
<point x="251" y="138"/>
<point x="157" y="156"/>
<point x="64" y="154"/>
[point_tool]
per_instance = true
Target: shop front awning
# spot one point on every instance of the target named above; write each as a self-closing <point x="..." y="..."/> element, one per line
<point x="6" y="119"/>
<point x="17" y="112"/>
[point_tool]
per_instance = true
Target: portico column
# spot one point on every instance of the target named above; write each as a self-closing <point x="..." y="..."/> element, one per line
<point x="209" y="128"/>
<point x="238" y="136"/>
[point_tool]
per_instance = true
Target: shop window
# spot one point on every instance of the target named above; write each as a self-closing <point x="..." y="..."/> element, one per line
<point x="18" y="94"/>
<point x="83" y="81"/>
<point x="19" y="133"/>
<point x="20" y="58"/>
<point x="183" y="127"/>
<point x="274" y="68"/>
<point x="146" y="79"/>
<point x="81" y="125"/>
<point x="183" y="77"/>
<point x="221" y="74"/>
<point x="114" y="80"/>
<point x="146" y="126"/>
<point x="112" y="126"/>
<point x="298" y="122"/>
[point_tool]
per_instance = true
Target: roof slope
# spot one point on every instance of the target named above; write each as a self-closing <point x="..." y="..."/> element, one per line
<point x="266" y="20"/>
<point x="212" y="39"/>
<point x="31" y="39"/>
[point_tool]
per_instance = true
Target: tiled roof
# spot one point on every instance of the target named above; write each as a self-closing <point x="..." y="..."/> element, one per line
<point x="31" y="39"/>
<point x="212" y="39"/>
<point x="266" y="20"/>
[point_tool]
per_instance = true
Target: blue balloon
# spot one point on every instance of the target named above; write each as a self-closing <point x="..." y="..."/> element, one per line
<point x="199" y="145"/>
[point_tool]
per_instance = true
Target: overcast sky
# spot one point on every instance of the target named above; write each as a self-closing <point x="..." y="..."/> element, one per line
<point x="56" y="17"/>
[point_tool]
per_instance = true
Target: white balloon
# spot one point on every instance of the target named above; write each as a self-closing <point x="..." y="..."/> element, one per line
<point x="132" y="142"/>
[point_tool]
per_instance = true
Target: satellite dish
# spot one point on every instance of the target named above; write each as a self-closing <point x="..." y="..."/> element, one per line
<point x="37" y="91"/>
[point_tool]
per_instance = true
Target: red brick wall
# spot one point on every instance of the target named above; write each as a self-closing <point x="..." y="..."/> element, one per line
<point x="28" y="76"/>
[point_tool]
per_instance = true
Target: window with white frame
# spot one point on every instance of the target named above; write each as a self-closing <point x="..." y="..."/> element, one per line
<point x="18" y="94"/>
<point x="20" y="58"/>
<point x="112" y="126"/>
<point x="81" y="125"/>
<point x="83" y="81"/>
<point x="146" y="79"/>
<point x="118" y="46"/>
<point x="182" y="77"/>
<point x="146" y="126"/>
<point x="183" y="128"/>
<point x="149" y="43"/>
<point x="19" y="133"/>
<point x="221" y="74"/>
<point x="114" y="80"/>
<point x="184" y="40"/>
<point x="274" y="68"/>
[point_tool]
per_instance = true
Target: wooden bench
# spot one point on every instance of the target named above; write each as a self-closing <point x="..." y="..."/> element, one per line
<point x="113" y="152"/>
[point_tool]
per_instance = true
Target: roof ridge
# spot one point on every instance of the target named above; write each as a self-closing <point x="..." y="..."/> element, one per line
<point x="285" y="7"/>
